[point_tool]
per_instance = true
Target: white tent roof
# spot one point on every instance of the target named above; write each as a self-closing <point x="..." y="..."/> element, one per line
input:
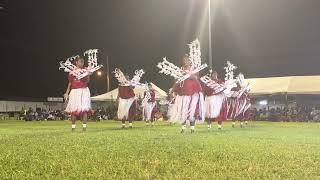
<point x="289" y="84"/>
<point x="139" y="91"/>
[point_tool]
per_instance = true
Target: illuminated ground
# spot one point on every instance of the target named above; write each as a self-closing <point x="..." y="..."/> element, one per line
<point x="48" y="150"/>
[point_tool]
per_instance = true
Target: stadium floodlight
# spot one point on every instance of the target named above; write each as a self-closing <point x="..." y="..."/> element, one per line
<point x="99" y="73"/>
<point x="263" y="102"/>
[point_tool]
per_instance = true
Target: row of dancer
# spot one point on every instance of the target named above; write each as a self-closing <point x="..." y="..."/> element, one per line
<point x="189" y="104"/>
<point x="197" y="99"/>
<point x="77" y="97"/>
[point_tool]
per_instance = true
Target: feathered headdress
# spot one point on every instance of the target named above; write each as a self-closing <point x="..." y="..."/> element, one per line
<point x="93" y="66"/>
<point x="123" y="81"/>
<point x="179" y="74"/>
<point x="230" y="71"/>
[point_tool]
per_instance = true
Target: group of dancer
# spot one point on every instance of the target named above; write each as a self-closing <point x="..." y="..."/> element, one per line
<point x="194" y="100"/>
<point x="191" y="100"/>
<point x="127" y="103"/>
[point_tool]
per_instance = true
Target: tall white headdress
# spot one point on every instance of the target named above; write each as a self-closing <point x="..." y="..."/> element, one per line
<point x="179" y="74"/>
<point x="245" y="86"/>
<point x="93" y="66"/>
<point x="123" y="81"/>
<point x="118" y="74"/>
<point x="230" y="71"/>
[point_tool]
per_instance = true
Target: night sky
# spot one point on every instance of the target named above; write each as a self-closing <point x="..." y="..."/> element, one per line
<point x="263" y="37"/>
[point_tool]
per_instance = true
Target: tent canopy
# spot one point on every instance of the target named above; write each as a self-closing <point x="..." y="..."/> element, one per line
<point x="289" y="85"/>
<point x="260" y="86"/>
<point x="139" y="91"/>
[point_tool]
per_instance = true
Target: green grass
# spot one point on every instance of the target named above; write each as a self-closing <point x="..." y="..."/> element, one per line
<point x="262" y="150"/>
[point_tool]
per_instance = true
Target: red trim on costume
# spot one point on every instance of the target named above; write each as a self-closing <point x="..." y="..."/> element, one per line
<point x="153" y="96"/>
<point x="154" y="111"/>
<point x="188" y="87"/>
<point x="197" y="111"/>
<point x="125" y="92"/>
<point x="218" y="88"/>
<point x="132" y="110"/>
<point x="81" y="113"/>
<point x="223" y="112"/>
<point x="77" y="83"/>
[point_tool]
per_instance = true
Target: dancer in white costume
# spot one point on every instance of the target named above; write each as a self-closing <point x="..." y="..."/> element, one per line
<point x="149" y="105"/>
<point x="127" y="104"/>
<point x="78" y="96"/>
<point x="189" y="100"/>
<point x="168" y="102"/>
<point x="126" y="99"/>
<point x="240" y="102"/>
<point x="216" y="104"/>
<point x="170" y="99"/>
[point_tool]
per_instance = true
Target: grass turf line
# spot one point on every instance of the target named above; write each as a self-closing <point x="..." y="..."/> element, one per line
<point x="261" y="150"/>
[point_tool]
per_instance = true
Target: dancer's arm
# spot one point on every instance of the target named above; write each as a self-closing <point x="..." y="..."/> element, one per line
<point x="66" y="94"/>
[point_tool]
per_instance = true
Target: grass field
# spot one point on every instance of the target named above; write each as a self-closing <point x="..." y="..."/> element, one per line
<point x="262" y="150"/>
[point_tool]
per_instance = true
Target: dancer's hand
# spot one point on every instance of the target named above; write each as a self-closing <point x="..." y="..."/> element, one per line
<point x="66" y="96"/>
<point x="89" y="71"/>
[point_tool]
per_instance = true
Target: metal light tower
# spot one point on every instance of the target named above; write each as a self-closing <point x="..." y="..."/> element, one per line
<point x="108" y="75"/>
<point x="210" y="43"/>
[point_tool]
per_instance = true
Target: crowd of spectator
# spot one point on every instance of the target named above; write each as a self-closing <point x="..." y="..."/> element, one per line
<point x="296" y="114"/>
<point x="104" y="113"/>
<point x="42" y="114"/>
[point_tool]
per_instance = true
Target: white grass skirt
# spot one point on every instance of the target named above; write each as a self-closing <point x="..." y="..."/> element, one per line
<point x="124" y="107"/>
<point x="79" y="101"/>
<point x="233" y="108"/>
<point x="213" y="105"/>
<point x="170" y="111"/>
<point x="185" y="107"/>
<point x="243" y="107"/>
<point x="147" y="110"/>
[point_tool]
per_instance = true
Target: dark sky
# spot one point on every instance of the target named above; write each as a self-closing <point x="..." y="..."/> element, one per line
<point x="263" y="37"/>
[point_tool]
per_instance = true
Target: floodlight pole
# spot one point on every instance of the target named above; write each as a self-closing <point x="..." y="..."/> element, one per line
<point x="210" y="43"/>
<point x="108" y="75"/>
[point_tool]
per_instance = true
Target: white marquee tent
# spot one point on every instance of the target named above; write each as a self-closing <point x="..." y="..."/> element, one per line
<point x="285" y="85"/>
<point x="139" y="91"/>
<point x="16" y="106"/>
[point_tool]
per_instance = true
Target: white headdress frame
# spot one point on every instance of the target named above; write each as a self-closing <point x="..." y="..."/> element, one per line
<point x="93" y="66"/>
<point x="230" y="71"/>
<point x="123" y="81"/>
<point x="179" y="74"/>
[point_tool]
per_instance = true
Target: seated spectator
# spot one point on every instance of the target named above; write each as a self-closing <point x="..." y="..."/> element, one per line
<point x="30" y="115"/>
